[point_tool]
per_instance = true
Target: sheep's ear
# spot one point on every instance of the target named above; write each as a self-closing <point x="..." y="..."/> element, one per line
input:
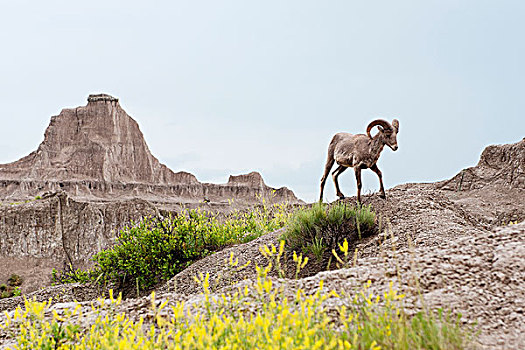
<point x="395" y="124"/>
<point x="381" y="128"/>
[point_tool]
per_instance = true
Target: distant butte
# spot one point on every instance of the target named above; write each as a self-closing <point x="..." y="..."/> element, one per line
<point x="97" y="152"/>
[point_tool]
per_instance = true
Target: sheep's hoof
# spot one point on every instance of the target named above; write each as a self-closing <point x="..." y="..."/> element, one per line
<point x="382" y="195"/>
<point x="341" y="196"/>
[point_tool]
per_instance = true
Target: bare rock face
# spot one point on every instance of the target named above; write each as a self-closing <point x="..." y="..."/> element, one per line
<point x="252" y="179"/>
<point x="59" y="232"/>
<point x="98" y="152"/>
<point x="502" y="166"/>
<point x="493" y="191"/>
<point x="98" y="142"/>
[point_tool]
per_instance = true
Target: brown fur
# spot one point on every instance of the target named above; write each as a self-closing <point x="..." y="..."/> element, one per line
<point x="359" y="152"/>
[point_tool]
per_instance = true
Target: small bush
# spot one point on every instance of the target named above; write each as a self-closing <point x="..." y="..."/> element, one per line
<point x="323" y="227"/>
<point x="71" y="276"/>
<point x="152" y="251"/>
<point x="12" y="288"/>
<point x="14" y="280"/>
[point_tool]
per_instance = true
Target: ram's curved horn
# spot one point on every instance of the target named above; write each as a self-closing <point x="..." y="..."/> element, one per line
<point x="380" y="122"/>
<point x="395" y="124"/>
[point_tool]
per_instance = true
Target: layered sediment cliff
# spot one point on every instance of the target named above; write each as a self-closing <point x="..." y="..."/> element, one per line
<point x="95" y="174"/>
<point x="97" y="152"/>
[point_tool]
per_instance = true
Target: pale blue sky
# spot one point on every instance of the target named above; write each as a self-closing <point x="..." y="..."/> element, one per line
<point x="227" y="87"/>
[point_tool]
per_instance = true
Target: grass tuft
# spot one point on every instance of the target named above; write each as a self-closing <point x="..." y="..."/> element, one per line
<point x="322" y="227"/>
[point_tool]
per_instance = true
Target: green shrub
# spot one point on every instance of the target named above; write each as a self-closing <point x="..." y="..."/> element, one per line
<point x="14" y="280"/>
<point x="71" y="276"/>
<point x="154" y="250"/>
<point x="12" y="288"/>
<point x="324" y="227"/>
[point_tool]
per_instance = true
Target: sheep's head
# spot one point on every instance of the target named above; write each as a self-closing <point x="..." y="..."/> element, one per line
<point x="389" y="131"/>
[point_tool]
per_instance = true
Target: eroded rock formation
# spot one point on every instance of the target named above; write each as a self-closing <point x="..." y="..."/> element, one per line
<point x="59" y="232"/>
<point x="97" y="152"/>
<point x="500" y="166"/>
<point x="95" y="173"/>
<point x="457" y="244"/>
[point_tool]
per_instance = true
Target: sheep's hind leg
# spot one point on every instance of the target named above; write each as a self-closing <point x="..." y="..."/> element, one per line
<point x="376" y="170"/>
<point x="340" y="169"/>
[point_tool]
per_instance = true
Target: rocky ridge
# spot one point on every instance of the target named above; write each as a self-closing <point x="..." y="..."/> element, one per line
<point x="500" y="166"/>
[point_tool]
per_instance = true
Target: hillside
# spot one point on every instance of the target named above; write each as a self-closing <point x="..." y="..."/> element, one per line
<point x="454" y="244"/>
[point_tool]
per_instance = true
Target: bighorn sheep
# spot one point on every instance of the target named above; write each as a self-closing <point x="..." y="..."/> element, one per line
<point x="359" y="152"/>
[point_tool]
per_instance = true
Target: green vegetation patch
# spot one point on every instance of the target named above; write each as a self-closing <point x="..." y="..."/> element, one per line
<point x="154" y="250"/>
<point x="324" y="227"/>
<point x="12" y="288"/>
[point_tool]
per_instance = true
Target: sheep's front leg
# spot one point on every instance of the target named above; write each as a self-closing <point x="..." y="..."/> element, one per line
<point x="376" y="170"/>
<point x="357" y="170"/>
<point x="340" y="169"/>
